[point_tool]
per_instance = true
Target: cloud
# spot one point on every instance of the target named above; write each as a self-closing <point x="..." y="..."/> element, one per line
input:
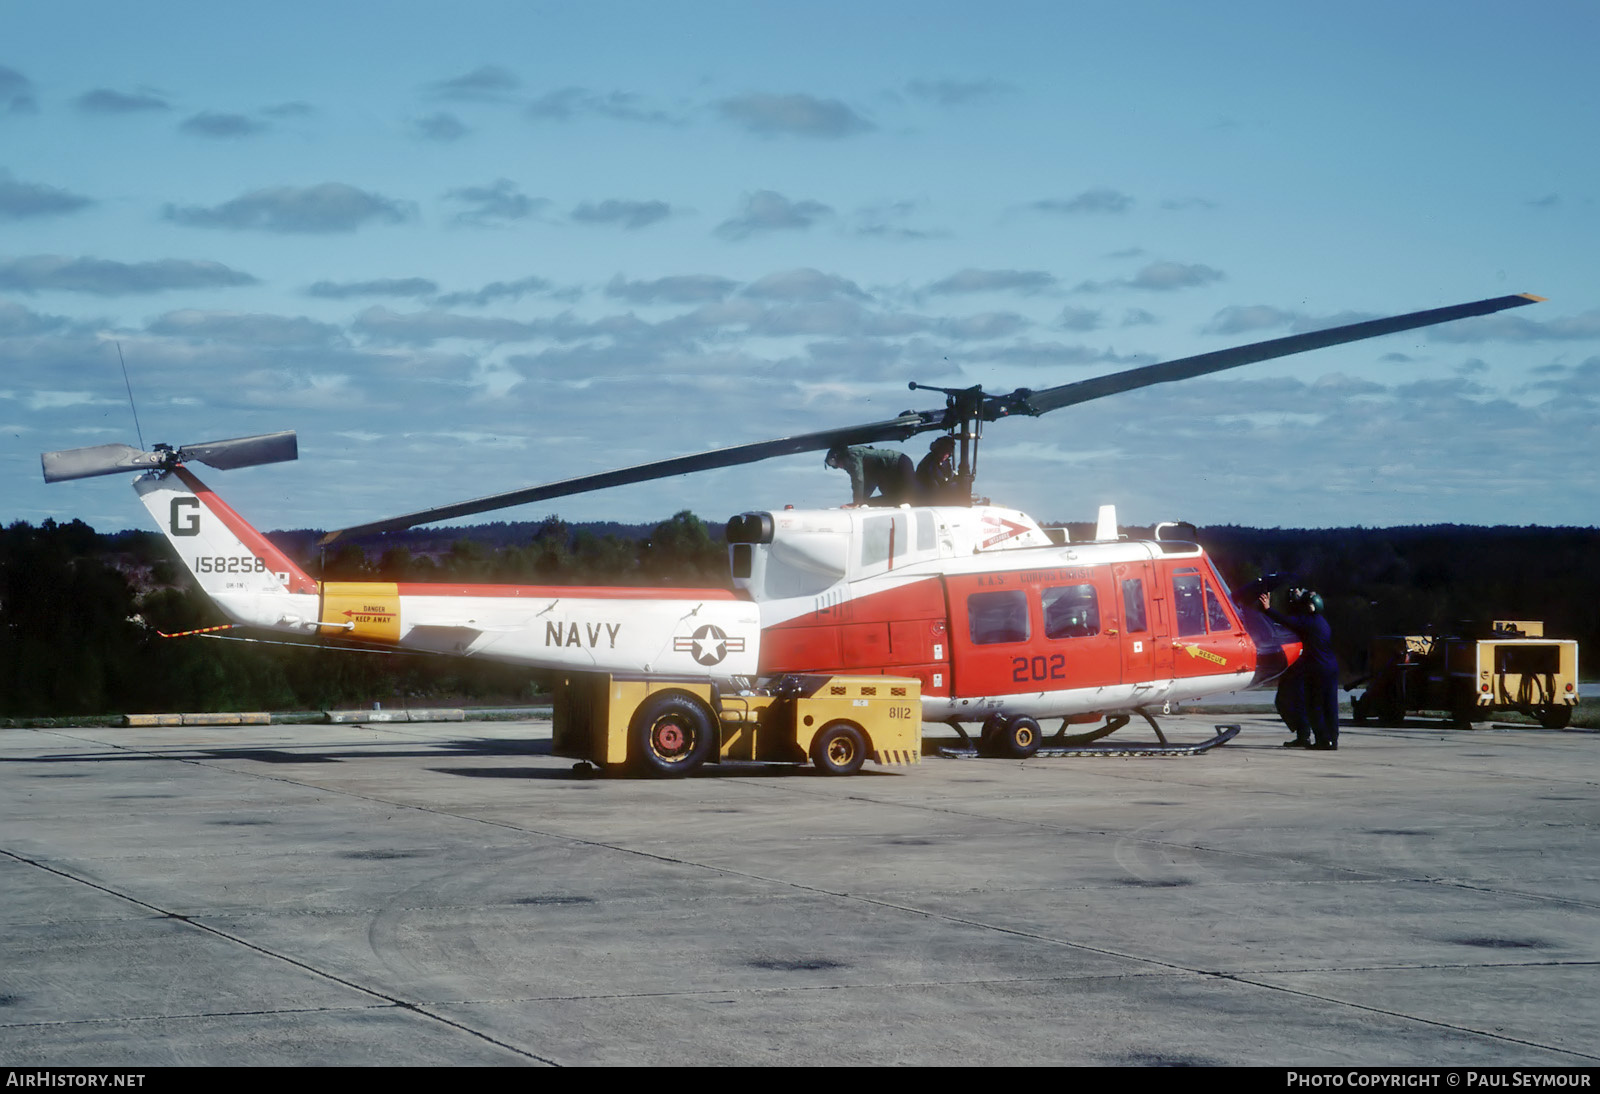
<point x="1549" y="201"/>
<point x="795" y="115"/>
<point x="972" y="280"/>
<point x="498" y="203"/>
<point x="677" y="289"/>
<point x="1572" y="383"/>
<point x="16" y="320"/>
<point x="249" y="329"/>
<point x="383" y="286"/>
<point x="858" y="359"/>
<point x="1166" y="276"/>
<point x="420" y="328"/>
<point x="1101" y="199"/>
<point x="1240" y="319"/>
<point x="627" y="214"/>
<point x="983" y="326"/>
<point x="1176" y="204"/>
<point x="802" y="285"/>
<point x="440" y="127"/>
<point x="103" y="277"/>
<point x="105" y="101"/>
<point x="834" y="318"/>
<point x="956" y="92"/>
<point x="768" y="210"/>
<point x="16" y="92"/>
<point x="1051" y="354"/>
<point x="1515" y="328"/>
<point x="1078" y="319"/>
<point x="572" y="102"/>
<point x="328" y="207"/>
<point x="497" y="290"/>
<point x="295" y="109"/>
<point x="883" y="222"/>
<point x="1159" y="277"/>
<point x="1138" y="317"/>
<point x="488" y="83"/>
<point x="210" y="124"/>
<point x="20" y="200"/>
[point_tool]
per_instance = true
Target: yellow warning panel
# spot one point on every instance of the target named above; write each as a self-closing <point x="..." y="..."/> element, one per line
<point x="368" y="610"/>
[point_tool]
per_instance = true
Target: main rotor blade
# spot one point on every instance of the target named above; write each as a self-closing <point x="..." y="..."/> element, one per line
<point x="101" y="459"/>
<point x="243" y="451"/>
<point x="912" y="423"/>
<point x="1054" y="398"/>
<point x="895" y="429"/>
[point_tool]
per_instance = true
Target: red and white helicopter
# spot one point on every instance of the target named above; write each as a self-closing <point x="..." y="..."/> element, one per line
<point x="1002" y="624"/>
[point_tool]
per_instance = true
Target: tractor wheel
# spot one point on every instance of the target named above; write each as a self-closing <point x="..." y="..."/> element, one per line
<point x="671" y="734"/>
<point x="839" y="749"/>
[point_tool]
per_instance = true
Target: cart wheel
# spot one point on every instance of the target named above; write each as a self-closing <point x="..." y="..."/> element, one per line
<point x="1464" y="714"/>
<point x="839" y="749"/>
<point x="1554" y="716"/>
<point x="671" y="734"/>
<point x="1018" y="739"/>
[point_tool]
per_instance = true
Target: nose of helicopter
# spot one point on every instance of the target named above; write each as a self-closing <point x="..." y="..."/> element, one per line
<point x="1277" y="647"/>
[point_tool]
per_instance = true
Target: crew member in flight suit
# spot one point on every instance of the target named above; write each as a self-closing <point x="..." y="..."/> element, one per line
<point x="1308" y="693"/>
<point x="936" y="474"/>
<point x="888" y="472"/>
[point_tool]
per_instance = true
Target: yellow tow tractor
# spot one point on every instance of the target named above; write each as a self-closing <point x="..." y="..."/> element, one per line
<point x="669" y="728"/>
<point x="1509" y="665"/>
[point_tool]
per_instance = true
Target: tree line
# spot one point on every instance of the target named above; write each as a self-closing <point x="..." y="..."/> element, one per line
<point x="81" y="613"/>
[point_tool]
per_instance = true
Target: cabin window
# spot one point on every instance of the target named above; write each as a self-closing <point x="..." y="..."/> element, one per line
<point x="881" y="537"/>
<point x="743" y="560"/>
<point x="1216" y="614"/>
<point x="997" y="617"/>
<point x="1189" y="602"/>
<point x="1071" y="611"/>
<point x="1133" y="605"/>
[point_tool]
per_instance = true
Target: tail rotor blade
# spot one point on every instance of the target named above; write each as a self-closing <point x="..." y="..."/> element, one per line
<point x="112" y="459"/>
<point x="243" y="451"/>
<point x="102" y="459"/>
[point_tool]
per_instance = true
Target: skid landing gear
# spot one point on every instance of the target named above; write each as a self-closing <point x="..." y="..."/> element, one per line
<point x="1001" y="734"/>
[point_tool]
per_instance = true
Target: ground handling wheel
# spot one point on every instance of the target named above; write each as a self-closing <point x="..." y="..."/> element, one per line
<point x="671" y="734"/>
<point x="839" y="748"/>
<point x="1016" y="738"/>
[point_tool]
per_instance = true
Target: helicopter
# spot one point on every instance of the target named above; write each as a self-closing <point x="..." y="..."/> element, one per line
<point x="1001" y="623"/>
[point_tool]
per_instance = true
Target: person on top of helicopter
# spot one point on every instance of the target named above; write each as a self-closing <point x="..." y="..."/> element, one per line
<point x="936" y="474"/>
<point x="884" y="470"/>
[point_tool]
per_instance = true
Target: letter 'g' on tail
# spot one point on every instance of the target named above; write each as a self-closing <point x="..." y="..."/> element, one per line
<point x="250" y="579"/>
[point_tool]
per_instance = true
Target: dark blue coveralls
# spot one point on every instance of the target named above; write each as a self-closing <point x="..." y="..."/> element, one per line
<point x="1308" y="694"/>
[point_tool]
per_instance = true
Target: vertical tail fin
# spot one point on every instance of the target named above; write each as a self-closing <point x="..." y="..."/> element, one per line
<point x="249" y="578"/>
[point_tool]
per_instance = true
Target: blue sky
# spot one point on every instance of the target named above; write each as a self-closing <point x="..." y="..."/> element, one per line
<point x="464" y="248"/>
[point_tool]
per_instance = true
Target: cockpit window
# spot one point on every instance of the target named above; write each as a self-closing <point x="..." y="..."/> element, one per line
<point x="1188" y="602"/>
<point x="1216" y="615"/>
<point x="1071" y="611"/>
